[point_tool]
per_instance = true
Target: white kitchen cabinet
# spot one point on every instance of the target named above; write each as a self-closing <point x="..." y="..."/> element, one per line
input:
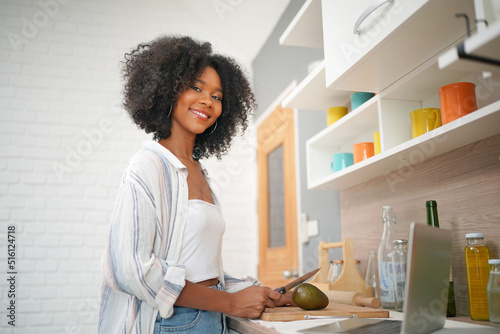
<point x="423" y="31"/>
<point x="393" y="40"/>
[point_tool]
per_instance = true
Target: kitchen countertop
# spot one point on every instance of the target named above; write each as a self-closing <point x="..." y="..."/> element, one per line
<point x="460" y="324"/>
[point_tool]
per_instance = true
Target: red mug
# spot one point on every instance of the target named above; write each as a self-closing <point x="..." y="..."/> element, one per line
<point x="457" y="99"/>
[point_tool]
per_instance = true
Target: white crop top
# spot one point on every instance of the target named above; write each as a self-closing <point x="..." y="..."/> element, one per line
<point x="202" y="241"/>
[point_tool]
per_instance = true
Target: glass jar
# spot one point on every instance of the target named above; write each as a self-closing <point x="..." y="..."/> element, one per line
<point x="399" y="258"/>
<point x="476" y="266"/>
<point x="493" y="291"/>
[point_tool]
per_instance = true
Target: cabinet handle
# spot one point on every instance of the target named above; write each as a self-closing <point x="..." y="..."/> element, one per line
<point x="367" y="13"/>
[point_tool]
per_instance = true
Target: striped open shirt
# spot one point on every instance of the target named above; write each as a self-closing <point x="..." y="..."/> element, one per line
<point x="141" y="272"/>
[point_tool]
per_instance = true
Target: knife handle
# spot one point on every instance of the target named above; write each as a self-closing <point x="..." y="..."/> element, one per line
<point x="281" y="290"/>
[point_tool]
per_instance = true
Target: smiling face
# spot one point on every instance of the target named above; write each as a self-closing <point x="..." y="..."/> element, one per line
<point x="198" y="106"/>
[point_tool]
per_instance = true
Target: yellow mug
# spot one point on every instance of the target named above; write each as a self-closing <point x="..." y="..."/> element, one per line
<point x="424" y="120"/>
<point x="376" y="143"/>
<point x="333" y="114"/>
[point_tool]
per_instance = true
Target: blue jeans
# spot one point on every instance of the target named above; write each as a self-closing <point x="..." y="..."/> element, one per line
<point x="190" y="320"/>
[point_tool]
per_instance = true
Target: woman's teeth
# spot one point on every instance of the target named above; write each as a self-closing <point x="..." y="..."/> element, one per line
<point x="199" y="114"/>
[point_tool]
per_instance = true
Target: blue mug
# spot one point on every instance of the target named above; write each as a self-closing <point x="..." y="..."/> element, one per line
<point x="341" y="161"/>
<point x="359" y="98"/>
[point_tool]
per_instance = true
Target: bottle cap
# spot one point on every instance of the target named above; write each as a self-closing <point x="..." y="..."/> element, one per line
<point x="494" y="261"/>
<point x="474" y="235"/>
<point x="430" y="203"/>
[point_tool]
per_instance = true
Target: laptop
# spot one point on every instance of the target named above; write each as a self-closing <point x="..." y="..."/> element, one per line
<point x="426" y="293"/>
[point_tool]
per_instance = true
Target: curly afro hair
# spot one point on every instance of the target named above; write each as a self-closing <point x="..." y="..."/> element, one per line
<point x="156" y="74"/>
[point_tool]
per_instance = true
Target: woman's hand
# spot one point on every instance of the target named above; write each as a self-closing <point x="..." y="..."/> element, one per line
<point x="252" y="301"/>
<point x="286" y="299"/>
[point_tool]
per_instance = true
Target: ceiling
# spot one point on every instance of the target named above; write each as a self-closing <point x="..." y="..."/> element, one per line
<point x="243" y="26"/>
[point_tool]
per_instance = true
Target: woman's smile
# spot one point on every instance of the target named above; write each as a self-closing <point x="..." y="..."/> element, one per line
<point x="200" y="114"/>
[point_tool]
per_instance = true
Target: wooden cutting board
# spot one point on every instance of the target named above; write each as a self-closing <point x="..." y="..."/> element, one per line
<point x="289" y="313"/>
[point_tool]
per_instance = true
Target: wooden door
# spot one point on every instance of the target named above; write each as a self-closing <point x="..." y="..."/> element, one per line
<point x="277" y="200"/>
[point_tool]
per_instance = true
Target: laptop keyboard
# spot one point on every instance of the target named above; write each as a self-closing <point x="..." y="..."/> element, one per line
<point x="385" y="326"/>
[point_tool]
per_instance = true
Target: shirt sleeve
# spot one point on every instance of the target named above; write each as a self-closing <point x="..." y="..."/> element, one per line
<point x="236" y="284"/>
<point x="130" y="264"/>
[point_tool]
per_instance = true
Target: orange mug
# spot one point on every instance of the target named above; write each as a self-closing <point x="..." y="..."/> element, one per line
<point x="362" y="151"/>
<point x="457" y="99"/>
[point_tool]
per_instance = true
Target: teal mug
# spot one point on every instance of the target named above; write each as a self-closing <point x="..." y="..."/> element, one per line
<point x="341" y="161"/>
<point x="359" y="98"/>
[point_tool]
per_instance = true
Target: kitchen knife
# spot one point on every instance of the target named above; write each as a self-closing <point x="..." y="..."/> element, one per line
<point x="293" y="284"/>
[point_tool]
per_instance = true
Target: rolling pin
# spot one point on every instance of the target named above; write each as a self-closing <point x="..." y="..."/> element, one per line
<point x="352" y="298"/>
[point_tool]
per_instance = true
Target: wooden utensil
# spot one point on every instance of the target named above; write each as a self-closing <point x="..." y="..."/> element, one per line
<point x="349" y="279"/>
<point x="352" y="298"/>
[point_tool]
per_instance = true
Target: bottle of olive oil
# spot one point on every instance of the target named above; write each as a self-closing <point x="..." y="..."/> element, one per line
<point x="433" y="220"/>
<point x="477" y="268"/>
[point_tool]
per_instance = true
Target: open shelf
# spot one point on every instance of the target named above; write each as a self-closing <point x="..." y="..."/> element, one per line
<point x="466" y="130"/>
<point x="306" y="29"/>
<point x="361" y="120"/>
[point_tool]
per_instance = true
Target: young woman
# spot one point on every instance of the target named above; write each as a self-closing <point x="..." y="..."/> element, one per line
<point x="162" y="265"/>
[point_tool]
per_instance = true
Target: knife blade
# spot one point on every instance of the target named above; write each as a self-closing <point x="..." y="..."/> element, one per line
<point x="284" y="289"/>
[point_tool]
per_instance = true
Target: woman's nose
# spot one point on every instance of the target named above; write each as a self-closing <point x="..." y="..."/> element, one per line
<point x="206" y="99"/>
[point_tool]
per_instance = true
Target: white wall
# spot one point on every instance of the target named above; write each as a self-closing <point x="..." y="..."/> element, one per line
<point x="64" y="143"/>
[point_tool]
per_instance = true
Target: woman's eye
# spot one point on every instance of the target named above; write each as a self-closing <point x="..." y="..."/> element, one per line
<point x="196" y="88"/>
<point x="218" y="98"/>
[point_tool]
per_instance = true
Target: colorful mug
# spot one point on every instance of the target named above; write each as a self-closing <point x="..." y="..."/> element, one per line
<point x="424" y="120"/>
<point x="457" y="99"/>
<point x="333" y="114"/>
<point x="359" y="98"/>
<point x="362" y="151"/>
<point x="377" y="147"/>
<point x="341" y="161"/>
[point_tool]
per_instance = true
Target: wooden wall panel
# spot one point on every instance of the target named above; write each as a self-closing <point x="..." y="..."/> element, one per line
<point x="466" y="185"/>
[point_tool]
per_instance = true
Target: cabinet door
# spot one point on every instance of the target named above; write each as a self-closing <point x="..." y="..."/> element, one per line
<point x="344" y="47"/>
<point x="394" y="39"/>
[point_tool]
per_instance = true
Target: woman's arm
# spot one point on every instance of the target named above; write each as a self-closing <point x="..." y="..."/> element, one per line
<point x="247" y="303"/>
<point x="235" y="284"/>
<point x="129" y="263"/>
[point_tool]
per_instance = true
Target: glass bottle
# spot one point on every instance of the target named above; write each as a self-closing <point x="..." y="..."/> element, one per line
<point x="399" y="257"/>
<point x="385" y="259"/>
<point x="335" y="270"/>
<point x="493" y="291"/>
<point x="371" y="278"/>
<point x="476" y="266"/>
<point x="330" y="273"/>
<point x="336" y="267"/>
<point x="451" y="310"/>
<point x="433" y="220"/>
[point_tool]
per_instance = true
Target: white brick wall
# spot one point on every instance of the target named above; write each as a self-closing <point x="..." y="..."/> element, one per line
<point x="59" y="106"/>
